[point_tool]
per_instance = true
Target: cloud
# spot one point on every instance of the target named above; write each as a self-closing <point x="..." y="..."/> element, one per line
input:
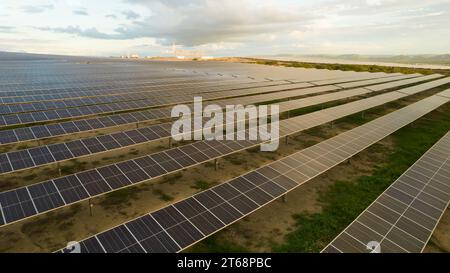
<point x="193" y="23"/>
<point x="6" y="29"/>
<point x="267" y="26"/>
<point x="82" y="12"/>
<point x="36" y="8"/>
<point x="130" y="15"/>
<point x="76" y="30"/>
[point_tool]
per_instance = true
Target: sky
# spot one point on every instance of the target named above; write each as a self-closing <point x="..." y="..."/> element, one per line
<point x="225" y="27"/>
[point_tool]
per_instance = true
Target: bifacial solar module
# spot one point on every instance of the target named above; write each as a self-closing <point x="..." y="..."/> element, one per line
<point x="403" y="218"/>
<point x="193" y="219"/>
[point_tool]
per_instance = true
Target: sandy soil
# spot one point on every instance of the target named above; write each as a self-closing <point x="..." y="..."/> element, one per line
<point x="262" y="229"/>
<point x="440" y="240"/>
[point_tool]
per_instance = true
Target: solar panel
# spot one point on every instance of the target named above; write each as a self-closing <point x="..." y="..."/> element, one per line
<point x="14" y="113"/>
<point x="182" y="223"/>
<point x="375" y="81"/>
<point x="142" y="95"/>
<point x="121" y="119"/>
<point x="120" y="88"/>
<point x="14" y="116"/>
<point x="170" y="161"/>
<point x="410" y="81"/>
<point x="355" y="79"/>
<point x="9" y="136"/>
<point x="90" y="146"/>
<point x="403" y="218"/>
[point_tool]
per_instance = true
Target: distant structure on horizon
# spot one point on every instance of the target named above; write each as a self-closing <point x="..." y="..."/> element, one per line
<point x="179" y="54"/>
<point x="189" y="54"/>
<point x="132" y="56"/>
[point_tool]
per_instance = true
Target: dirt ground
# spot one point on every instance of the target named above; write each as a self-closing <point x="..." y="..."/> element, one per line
<point x="440" y="240"/>
<point x="259" y="231"/>
<point x="51" y="231"/>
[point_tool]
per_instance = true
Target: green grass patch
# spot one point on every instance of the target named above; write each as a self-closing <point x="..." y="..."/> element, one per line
<point x="352" y="67"/>
<point x="30" y="177"/>
<point x="40" y="226"/>
<point x="235" y="160"/>
<point x="162" y="195"/>
<point x="172" y="178"/>
<point x="119" y="197"/>
<point x="134" y="152"/>
<point x="75" y="166"/>
<point x="213" y="245"/>
<point x="202" y="185"/>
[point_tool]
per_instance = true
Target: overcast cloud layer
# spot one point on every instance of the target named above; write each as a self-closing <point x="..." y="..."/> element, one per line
<point x="226" y="27"/>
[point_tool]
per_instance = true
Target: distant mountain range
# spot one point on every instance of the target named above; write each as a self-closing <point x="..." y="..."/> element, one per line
<point x="443" y="59"/>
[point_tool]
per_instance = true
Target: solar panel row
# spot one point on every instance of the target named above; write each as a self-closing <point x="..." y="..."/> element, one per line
<point x="91" y="78"/>
<point x="39" y="156"/>
<point x="73" y="78"/>
<point x="178" y="226"/>
<point x="50" y="115"/>
<point x="151" y="97"/>
<point x="118" y="89"/>
<point x="79" y="98"/>
<point x="376" y="81"/>
<point x="403" y="217"/>
<point x="71" y="127"/>
<point x="48" y="154"/>
<point x="80" y="102"/>
<point x="80" y="186"/>
<point x="355" y="79"/>
<point x="57" y="84"/>
<point x="54" y="101"/>
<point x="396" y="84"/>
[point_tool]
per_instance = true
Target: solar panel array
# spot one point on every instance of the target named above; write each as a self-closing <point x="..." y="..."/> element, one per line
<point x="376" y="81"/>
<point x="351" y="79"/>
<point x="77" y="126"/>
<point x="26" y="113"/>
<point x="101" y="85"/>
<point x="114" y="88"/>
<point x="42" y="155"/>
<point x="75" y="112"/>
<point x="47" y="154"/>
<point x="178" y="226"/>
<point x="394" y="84"/>
<point x="403" y="218"/>
<point x="127" y="93"/>
<point x="185" y="89"/>
<point x="80" y="186"/>
<point x="38" y="95"/>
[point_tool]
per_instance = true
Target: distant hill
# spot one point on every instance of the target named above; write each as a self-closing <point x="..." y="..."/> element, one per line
<point x="443" y="59"/>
